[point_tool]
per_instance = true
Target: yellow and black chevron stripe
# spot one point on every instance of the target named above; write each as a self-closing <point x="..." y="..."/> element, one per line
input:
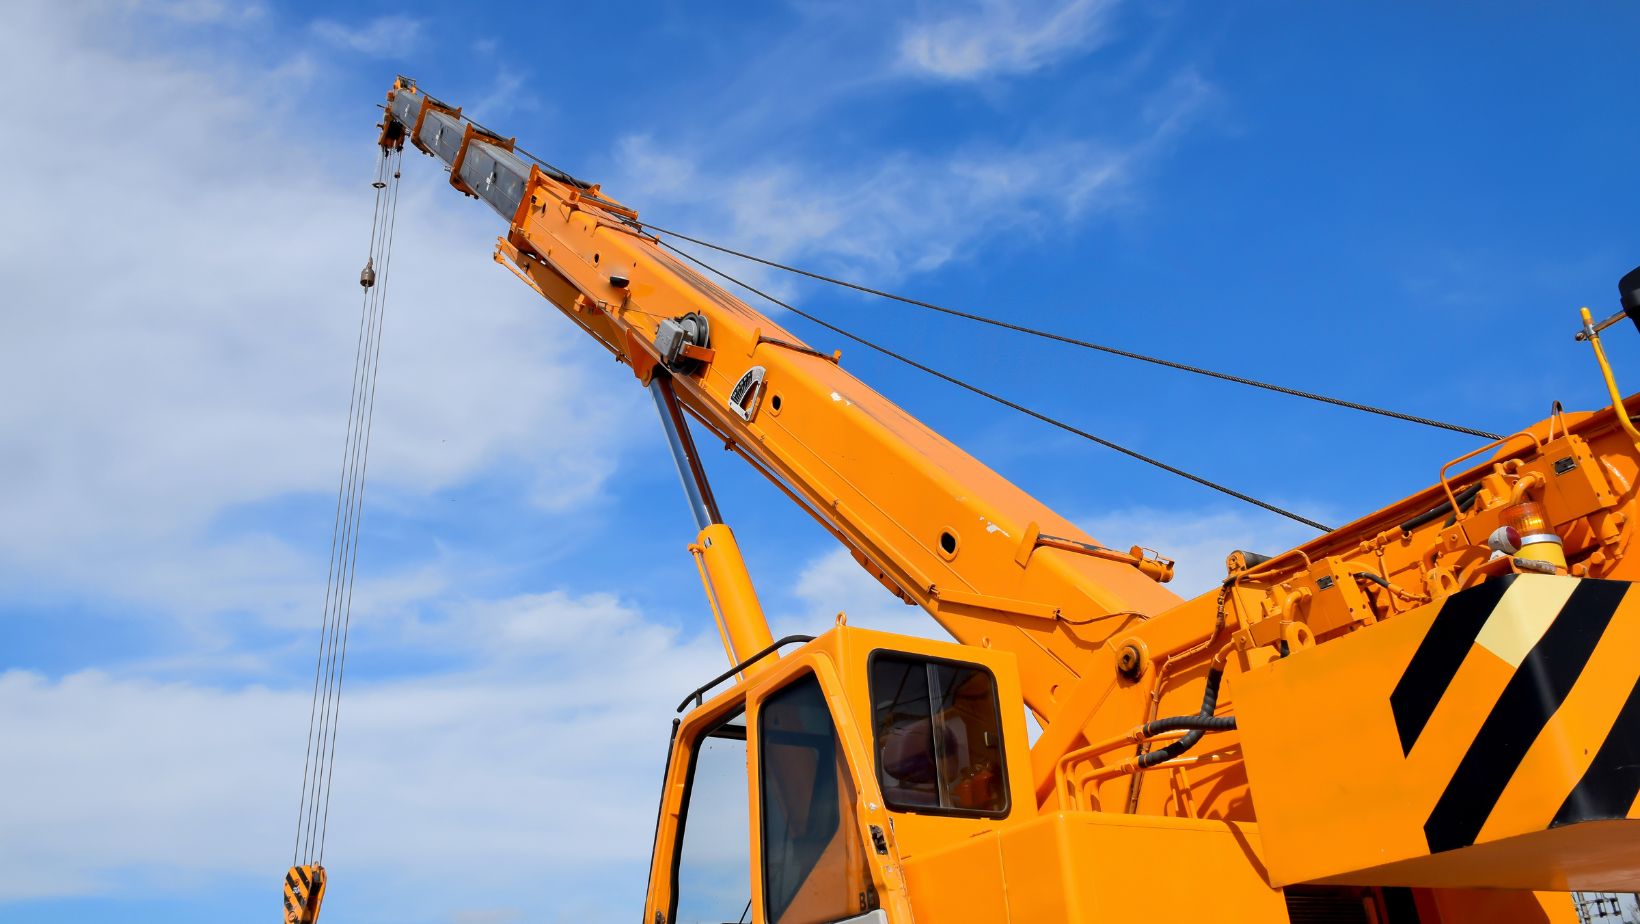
<point x="1548" y="630"/>
<point x="304" y="890"/>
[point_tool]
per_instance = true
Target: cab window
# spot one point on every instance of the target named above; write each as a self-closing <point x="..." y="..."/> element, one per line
<point x="938" y="734"/>
<point x="714" y="860"/>
<point x="814" y="861"/>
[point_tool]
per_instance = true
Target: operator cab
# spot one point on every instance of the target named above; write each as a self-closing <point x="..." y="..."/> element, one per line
<point x="793" y="796"/>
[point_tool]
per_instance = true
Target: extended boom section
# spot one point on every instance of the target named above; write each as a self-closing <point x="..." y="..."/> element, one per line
<point x="1427" y="715"/>
<point x="937" y="526"/>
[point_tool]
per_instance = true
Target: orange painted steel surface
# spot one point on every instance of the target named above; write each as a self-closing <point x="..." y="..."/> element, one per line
<point x="730" y="593"/>
<point x="1310" y="643"/>
<point x="1514" y="715"/>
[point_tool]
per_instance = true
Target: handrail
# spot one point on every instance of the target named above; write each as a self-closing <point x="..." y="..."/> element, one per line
<point x="699" y="695"/>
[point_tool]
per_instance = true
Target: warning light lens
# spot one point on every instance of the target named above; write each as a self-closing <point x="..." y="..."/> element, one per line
<point x="1504" y="539"/>
<point x="1529" y="523"/>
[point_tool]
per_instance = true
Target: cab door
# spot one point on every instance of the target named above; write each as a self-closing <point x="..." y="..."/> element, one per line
<point x="813" y="864"/>
<point x="770" y="812"/>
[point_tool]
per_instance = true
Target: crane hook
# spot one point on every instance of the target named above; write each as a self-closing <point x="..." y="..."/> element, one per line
<point x="367" y="278"/>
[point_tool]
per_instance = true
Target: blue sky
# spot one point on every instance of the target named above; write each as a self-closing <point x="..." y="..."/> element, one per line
<point x="1402" y="204"/>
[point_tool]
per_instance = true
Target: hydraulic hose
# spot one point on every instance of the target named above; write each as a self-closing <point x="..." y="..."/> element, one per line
<point x="1197" y="725"/>
<point x="1465" y="498"/>
<point x="1204" y="723"/>
<point x="1378" y="579"/>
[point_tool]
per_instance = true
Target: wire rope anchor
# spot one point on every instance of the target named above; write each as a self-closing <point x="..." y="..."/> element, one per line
<point x="1149" y="562"/>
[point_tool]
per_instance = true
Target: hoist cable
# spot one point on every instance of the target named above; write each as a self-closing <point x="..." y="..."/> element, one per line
<point x="334" y="616"/>
<point x="364" y="471"/>
<point x="337" y="654"/>
<point x="331" y="663"/>
<point x="1084" y="344"/>
<point x="1231" y="492"/>
<point x="347" y="559"/>
<point x="348" y="514"/>
<point x="335" y="531"/>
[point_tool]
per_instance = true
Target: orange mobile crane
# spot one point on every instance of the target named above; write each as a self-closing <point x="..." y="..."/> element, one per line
<point x="1430" y="714"/>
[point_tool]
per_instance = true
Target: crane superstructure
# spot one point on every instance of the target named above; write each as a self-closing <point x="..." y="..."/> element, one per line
<point x="1430" y="714"/>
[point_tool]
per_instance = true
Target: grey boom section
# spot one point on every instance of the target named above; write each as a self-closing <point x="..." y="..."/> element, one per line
<point x="441" y="134"/>
<point x="495" y="174"/>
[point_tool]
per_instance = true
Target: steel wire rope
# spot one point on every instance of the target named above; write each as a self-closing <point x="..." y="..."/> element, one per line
<point x="1134" y="454"/>
<point x="350" y="536"/>
<point x="1084" y="344"/>
<point x="324" y="628"/>
<point x="326" y="711"/>
<point x="364" y="470"/>
<point x="335" y="529"/>
<point x="333" y="616"/>
<point x="1034" y="331"/>
<point x="331" y="689"/>
<point x="350" y="466"/>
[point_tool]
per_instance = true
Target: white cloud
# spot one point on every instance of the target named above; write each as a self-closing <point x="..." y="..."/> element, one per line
<point x="517" y="780"/>
<point x="183" y="348"/>
<point x="835" y="583"/>
<point x="529" y="775"/>
<point x="504" y="97"/>
<point x="382" y="37"/>
<point x="1197" y="541"/>
<point x="992" y="37"/>
<point x="175" y="343"/>
<point x="197" y="12"/>
<point x="892" y="214"/>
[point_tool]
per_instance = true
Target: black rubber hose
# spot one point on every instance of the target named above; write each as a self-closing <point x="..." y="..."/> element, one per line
<point x="1465" y="498"/>
<point x="1251" y="560"/>
<point x="1198" y="724"/>
<point x="1206" y="723"/>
